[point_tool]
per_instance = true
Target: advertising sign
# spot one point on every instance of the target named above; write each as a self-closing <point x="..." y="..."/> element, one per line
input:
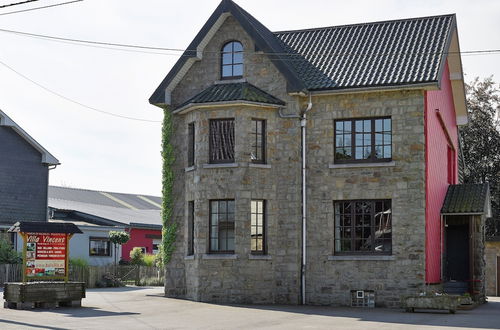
<point x="46" y="255"/>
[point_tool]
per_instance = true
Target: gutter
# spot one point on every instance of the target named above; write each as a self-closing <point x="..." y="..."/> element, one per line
<point x="303" y="129"/>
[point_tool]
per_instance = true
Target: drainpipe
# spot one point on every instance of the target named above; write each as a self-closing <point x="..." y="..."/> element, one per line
<point x="303" y="125"/>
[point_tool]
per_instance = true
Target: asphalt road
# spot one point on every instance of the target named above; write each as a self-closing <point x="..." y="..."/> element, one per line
<point x="146" y="308"/>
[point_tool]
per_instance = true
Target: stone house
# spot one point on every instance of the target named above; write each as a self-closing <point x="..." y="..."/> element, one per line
<point x="311" y="166"/>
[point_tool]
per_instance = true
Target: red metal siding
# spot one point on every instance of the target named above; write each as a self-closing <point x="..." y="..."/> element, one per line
<point x="439" y="103"/>
<point x="138" y="239"/>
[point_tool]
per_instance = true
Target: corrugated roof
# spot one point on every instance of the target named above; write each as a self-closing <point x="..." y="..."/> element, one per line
<point x="466" y="199"/>
<point x="128" y="209"/>
<point x="121" y="200"/>
<point x="242" y="91"/>
<point x="408" y="51"/>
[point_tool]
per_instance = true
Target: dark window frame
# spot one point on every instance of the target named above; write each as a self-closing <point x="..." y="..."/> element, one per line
<point x="254" y="146"/>
<point x="104" y="239"/>
<point x="264" y="228"/>
<point x="210" y="250"/>
<point x="210" y="146"/>
<point x="353" y="228"/>
<point x="191" y="144"/>
<point x="190" y="240"/>
<point x="232" y="64"/>
<point x="353" y="147"/>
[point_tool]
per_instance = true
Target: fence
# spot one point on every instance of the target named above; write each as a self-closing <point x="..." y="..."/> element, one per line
<point x="94" y="276"/>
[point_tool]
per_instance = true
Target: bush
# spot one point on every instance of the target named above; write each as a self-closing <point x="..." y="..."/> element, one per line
<point x="78" y="262"/>
<point x="136" y="256"/>
<point x="152" y="281"/>
<point x="149" y="260"/>
<point x="119" y="237"/>
<point x="7" y="253"/>
<point x="123" y="262"/>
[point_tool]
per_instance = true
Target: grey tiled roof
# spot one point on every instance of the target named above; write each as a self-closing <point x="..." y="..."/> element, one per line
<point x="466" y="198"/>
<point x="380" y="54"/>
<point x="233" y="92"/>
<point x="127" y="209"/>
<point x="386" y="53"/>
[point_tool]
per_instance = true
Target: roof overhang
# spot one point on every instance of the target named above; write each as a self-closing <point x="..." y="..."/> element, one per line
<point x="457" y="79"/>
<point x="193" y="106"/>
<point x="47" y="157"/>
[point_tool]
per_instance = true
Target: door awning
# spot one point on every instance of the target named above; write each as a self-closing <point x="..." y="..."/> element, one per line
<point x="467" y="199"/>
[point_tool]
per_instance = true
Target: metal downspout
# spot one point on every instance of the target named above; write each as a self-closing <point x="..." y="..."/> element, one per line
<point x="303" y="125"/>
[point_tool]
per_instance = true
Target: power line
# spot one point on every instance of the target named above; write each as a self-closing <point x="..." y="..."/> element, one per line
<point x="43" y="7"/>
<point x="144" y="48"/>
<point x="74" y="101"/>
<point x="17" y="3"/>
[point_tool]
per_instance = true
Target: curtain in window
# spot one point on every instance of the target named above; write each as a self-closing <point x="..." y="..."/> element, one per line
<point x="222" y="140"/>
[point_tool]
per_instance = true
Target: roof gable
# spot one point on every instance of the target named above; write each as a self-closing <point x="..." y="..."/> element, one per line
<point x="264" y="40"/>
<point x="47" y="157"/>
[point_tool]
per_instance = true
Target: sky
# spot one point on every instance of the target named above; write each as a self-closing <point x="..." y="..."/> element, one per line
<point x="103" y="152"/>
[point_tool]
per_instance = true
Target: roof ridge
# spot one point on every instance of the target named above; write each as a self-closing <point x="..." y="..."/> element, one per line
<point x="365" y="23"/>
<point x="102" y="191"/>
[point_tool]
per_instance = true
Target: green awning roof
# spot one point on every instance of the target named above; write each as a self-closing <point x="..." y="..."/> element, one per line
<point x="241" y="91"/>
<point x="467" y="199"/>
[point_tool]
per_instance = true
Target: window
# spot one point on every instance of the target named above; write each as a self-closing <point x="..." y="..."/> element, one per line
<point x="221" y="226"/>
<point x="190" y="144"/>
<point x="221" y="145"/>
<point x="190" y="249"/>
<point x="156" y="245"/>
<point x="363" y="227"/>
<point x="258" y="141"/>
<point x="363" y="140"/>
<point x="232" y="60"/>
<point x="99" y="246"/>
<point x="258" y="226"/>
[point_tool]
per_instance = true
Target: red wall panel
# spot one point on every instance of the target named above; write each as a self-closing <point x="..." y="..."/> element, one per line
<point x="138" y="239"/>
<point x="438" y="134"/>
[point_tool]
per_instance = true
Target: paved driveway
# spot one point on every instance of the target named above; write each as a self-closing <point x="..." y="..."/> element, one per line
<point x="146" y="308"/>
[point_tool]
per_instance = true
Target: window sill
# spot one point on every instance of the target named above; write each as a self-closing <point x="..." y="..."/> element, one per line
<point x="220" y="256"/>
<point x="259" y="165"/>
<point x="221" y="165"/>
<point x="190" y="168"/>
<point x="259" y="257"/>
<point x="362" y="258"/>
<point x="191" y="257"/>
<point x="363" y="165"/>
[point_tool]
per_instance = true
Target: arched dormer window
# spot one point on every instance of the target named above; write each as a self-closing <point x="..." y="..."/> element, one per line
<point x="232" y="60"/>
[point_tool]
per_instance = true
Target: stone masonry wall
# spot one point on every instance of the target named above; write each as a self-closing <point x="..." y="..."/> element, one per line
<point x="241" y="277"/>
<point x="492" y="251"/>
<point x="330" y="279"/>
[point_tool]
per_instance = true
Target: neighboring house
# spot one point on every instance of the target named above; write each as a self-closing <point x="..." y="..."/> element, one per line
<point x="493" y="266"/>
<point x="24" y="175"/>
<point x="97" y="213"/>
<point x="311" y="166"/>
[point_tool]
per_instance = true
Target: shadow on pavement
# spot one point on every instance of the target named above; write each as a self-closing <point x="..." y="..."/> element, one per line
<point x="83" y="312"/>
<point x="27" y="325"/>
<point x="118" y="289"/>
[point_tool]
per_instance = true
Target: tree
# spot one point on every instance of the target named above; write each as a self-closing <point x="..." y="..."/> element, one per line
<point x="7" y="253"/>
<point x="481" y="143"/>
<point x="118" y="238"/>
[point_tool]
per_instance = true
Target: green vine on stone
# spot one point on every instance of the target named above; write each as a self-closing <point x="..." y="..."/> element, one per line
<point x="169" y="226"/>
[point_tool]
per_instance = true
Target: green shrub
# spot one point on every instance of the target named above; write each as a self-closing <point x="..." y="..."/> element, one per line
<point x="7" y="253"/>
<point x="151" y="281"/>
<point x="149" y="260"/>
<point x="78" y="262"/>
<point x="136" y="256"/>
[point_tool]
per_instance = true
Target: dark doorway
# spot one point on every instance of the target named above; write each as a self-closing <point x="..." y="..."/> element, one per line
<point x="457" y="252"/>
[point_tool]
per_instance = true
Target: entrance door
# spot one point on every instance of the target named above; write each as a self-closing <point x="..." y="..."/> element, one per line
<point x="457" y="251"/>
